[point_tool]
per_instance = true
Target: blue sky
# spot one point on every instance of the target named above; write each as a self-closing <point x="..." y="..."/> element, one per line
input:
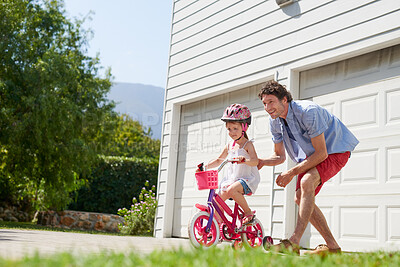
<point x="132" y="37"/>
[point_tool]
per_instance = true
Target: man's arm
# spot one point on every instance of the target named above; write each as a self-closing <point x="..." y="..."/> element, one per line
<point x="316" y="158"/>
<point x="278" y="157"/>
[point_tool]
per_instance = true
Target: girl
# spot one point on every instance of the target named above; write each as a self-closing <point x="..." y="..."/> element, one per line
<point x="242" y="178"/>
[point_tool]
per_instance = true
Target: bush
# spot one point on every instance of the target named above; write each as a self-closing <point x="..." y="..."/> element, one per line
<point x="139" y="219"/>
<point x="113" y="183"/>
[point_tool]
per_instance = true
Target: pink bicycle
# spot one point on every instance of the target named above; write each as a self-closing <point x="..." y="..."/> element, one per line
<point x="203" y="227"/>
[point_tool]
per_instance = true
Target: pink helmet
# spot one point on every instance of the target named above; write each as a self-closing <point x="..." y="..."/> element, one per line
<point x="237" y="112"/>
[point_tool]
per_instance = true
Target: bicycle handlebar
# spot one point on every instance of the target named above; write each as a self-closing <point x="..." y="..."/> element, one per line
<point x="201" y="166"/>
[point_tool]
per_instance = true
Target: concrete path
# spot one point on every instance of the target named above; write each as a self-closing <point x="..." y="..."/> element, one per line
<point x="15" y="244"/>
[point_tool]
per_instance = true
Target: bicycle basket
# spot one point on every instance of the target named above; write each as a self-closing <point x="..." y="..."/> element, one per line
<point x="207" y="179"/>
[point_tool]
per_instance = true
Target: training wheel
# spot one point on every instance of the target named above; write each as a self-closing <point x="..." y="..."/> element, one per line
<point x="267" y="242"/>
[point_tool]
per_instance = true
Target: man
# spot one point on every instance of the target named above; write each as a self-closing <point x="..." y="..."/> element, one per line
<point x="320" y="144"/>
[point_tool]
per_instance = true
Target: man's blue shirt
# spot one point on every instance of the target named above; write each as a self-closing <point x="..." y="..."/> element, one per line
<point x="306" y="120"/>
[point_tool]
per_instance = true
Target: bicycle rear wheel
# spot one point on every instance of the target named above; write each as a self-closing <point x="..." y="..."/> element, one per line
<point x="197" y="230"/>
<point x="253" y="234"/>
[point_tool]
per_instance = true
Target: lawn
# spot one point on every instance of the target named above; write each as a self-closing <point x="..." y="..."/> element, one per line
<point x="219" y="257"/>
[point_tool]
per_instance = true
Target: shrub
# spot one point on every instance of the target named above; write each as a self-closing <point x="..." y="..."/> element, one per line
<point x="114" y="181"/>
<point x="139" y="219"/>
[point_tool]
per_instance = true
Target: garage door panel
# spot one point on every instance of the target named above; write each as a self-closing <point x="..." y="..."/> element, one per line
<point x="361" y="111"/>
<point x="358" y="222"/>
<point x="393" y="164"/>
<point x="213" y="137"/>
<point x="215" y="103"/>
<point x="393" y="219"/>
<point x="260" y="126"/>
<point x="362" y="65"/>
<point x="394" y="56"/>
<point x="180" y="221"/>
<point x="192" y="119"/>
<point x="183" y="182"/>
<point x="190" y="141"/>
<point x="362" y="167"/>
<point x="393" y="112"/>
<point x="241" y="96"/>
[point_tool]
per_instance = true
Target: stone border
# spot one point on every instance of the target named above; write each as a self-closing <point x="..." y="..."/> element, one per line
<point x="69" y="219"/>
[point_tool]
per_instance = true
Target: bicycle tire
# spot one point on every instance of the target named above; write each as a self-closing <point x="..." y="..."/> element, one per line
<point x="196" y="230"/>
<point x="253" y="237"/>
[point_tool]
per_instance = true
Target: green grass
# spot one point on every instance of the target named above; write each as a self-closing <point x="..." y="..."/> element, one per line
<point x="34" y="226"/>
<point x="218" y="257"/>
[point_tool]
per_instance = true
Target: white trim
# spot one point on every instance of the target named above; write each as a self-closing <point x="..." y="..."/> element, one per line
<point x="171" y="170"/>
<point x="162" y="124"/>
<point x="290" y="213"/>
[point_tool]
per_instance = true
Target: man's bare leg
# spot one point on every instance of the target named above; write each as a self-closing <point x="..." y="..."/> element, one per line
<point x="317" y="219"/>
<point x="306" y="203"/>
<point x="319" y="222"/>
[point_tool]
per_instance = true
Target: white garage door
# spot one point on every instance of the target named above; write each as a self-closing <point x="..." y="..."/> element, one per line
<point x="362" y="203"/>
<point x="202" y="137"/>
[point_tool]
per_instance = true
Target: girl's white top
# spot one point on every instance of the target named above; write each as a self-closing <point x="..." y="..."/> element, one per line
<point x="235" y="171"/>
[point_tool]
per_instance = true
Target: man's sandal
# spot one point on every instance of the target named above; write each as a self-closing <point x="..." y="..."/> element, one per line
<point x="323" y="249"/>
<point x="285" y="246"/>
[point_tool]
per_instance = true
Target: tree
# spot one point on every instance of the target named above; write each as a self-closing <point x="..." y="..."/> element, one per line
<point x="52" y="103"/>
<point x="130" y="139"/>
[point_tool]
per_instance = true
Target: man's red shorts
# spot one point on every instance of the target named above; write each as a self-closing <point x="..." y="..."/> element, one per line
<point x="328" y="168"/>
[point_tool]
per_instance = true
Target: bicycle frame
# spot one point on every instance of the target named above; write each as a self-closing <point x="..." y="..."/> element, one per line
<point x="214" y="203"/>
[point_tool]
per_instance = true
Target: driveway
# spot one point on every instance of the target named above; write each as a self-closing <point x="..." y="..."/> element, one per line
<point x="15" y="244"/>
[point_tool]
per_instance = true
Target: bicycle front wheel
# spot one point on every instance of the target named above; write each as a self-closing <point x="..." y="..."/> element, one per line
<point x="253" y="234"/>
<point x="197" y="230"/>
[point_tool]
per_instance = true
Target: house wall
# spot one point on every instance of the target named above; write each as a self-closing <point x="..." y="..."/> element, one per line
<point x="222" y="46"/>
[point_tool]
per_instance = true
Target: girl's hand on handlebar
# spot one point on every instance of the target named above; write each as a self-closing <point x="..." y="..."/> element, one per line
<point x="200" y="167"/>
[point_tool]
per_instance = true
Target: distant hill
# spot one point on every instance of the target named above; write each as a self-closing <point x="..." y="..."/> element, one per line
<point x="142" y="102"/>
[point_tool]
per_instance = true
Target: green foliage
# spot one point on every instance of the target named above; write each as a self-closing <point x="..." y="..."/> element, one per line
<point x="218" y="257"/>
<point x="113" y="183"/>
<point x="139" y="219"/>
<point x="130" y="139"/>
<point x="53" y="104"/>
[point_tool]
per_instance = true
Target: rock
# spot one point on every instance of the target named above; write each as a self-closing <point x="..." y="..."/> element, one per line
<point x="112" y="227"/>
<point x="84" y="216"/>
<point x="55" y="220"/>
<point x="106" y="218"/>
<point x="99" y="226"/>
<point x="94" y="217"/>
<point x="67" y="221"/>
<point x="87" y="225"/>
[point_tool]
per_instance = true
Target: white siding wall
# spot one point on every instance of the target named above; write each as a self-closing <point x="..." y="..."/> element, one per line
<point x="221" y="45"/>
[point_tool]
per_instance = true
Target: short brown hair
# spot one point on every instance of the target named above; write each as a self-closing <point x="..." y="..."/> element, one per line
<point x="276" y="89"/>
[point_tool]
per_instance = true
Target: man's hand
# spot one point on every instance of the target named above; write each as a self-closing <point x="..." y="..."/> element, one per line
<point x="260" y="164"/>
<point x="284" y="178"/>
